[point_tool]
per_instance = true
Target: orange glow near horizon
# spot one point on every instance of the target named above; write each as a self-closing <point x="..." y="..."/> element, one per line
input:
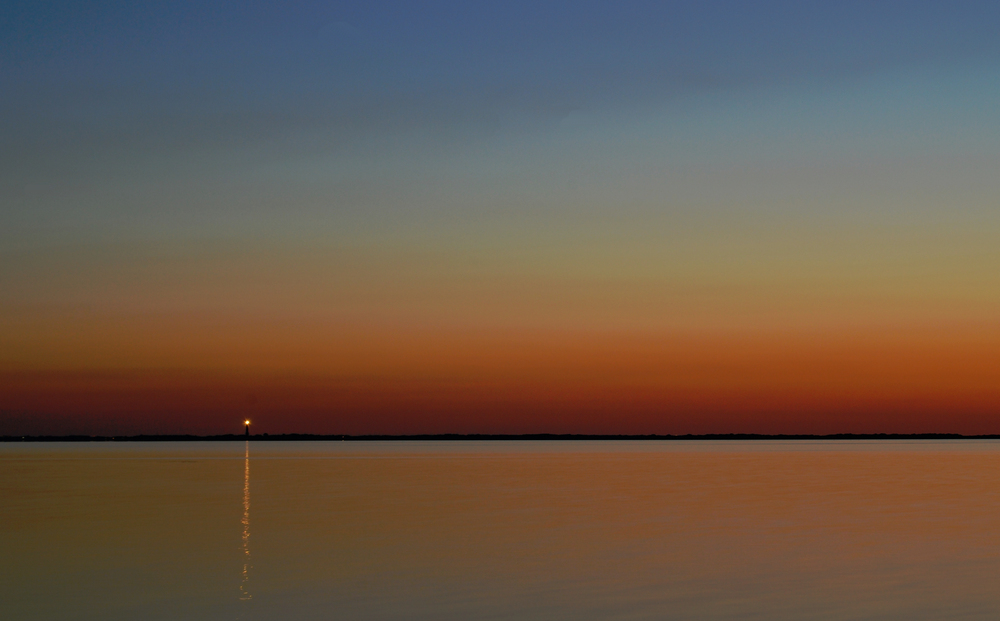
<point x="746" y="340"/>
<point x="863" y="381"/>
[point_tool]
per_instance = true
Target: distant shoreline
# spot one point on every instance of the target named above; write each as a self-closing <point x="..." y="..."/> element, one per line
<point x="301" y="437"/>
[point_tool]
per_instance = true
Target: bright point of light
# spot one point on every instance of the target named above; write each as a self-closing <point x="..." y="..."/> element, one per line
<point x="248" y="422"/>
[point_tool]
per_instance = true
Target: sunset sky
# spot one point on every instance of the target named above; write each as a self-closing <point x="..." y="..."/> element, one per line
<point x="568" y="217"/>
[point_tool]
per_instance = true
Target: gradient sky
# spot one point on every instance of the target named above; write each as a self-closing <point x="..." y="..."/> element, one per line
<point x="400" y="217"/>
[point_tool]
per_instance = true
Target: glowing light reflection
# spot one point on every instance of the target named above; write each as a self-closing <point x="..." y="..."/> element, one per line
<point x="245" y="583"/>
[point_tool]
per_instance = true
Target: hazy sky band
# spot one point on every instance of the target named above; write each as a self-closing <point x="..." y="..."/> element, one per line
<point x="424" y="196"/>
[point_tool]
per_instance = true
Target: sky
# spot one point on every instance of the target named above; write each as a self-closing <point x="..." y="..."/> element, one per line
<point x="518" y="217"/>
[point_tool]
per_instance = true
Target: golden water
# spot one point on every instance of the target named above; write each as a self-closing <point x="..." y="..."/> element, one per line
<point x="501" y="530"/>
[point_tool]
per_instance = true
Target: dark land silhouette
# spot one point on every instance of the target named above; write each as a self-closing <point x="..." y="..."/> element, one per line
<point x="305" y="437"/>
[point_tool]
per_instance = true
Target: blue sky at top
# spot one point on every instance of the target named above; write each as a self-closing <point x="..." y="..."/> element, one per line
<point x="115" y="113"/>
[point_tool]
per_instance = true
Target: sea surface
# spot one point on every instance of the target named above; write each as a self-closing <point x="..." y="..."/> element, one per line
<point x="501" y="530"/>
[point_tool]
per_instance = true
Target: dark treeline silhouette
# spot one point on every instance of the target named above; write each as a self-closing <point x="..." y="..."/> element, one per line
<point x="479" y="437"/>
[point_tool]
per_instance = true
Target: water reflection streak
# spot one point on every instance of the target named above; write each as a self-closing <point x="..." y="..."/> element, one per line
<point x="245" y="582"/>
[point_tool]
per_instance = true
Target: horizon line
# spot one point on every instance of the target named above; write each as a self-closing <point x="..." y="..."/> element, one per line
<point x="488" y="437"/>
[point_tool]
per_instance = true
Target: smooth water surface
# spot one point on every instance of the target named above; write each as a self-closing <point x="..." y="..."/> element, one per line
<point x="501" y="530"/>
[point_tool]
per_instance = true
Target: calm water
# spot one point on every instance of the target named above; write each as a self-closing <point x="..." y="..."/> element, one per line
<point x="562" y="530"/>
